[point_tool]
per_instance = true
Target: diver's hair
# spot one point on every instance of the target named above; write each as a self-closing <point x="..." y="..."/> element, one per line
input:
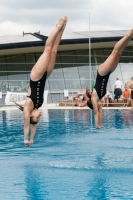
<point x="32" y="121"/>
<point x="19" y="106"/>
<point x="22" y="108"/>
<point x="89" y="104"/>
<point x="88" y="93"/>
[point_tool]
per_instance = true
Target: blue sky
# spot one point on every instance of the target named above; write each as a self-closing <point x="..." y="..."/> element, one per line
<point x="17" y="16"/>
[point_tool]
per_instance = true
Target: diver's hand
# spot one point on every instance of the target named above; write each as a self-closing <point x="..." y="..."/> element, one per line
<point x="27" y="143"/>
<point x="99" y="127"/>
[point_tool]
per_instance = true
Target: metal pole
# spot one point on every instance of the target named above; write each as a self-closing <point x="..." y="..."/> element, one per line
<point x="89" y="50"/>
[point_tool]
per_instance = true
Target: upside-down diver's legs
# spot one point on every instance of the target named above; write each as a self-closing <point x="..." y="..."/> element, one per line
<point x="43" y="62"/>
<point x="111" y="62"/>
<point x="54" y="51"/>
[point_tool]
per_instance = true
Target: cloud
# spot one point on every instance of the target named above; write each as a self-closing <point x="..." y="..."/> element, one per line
<point x="18" y="16"/>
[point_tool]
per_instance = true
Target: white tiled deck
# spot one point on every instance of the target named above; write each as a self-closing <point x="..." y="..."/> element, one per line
<point x="55" y="106"/>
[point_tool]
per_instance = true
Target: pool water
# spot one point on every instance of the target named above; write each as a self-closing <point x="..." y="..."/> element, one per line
<point x="70" y="158"/>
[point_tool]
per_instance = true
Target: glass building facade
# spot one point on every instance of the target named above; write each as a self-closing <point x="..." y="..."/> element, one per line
<point x="72" y="70"/>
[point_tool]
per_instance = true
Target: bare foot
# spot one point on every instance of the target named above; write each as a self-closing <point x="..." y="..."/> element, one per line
<point x="61" y="22"/>
<point x="28" y="143"/>
<point x="130" y="33"/>
<point x="64" y="26"/>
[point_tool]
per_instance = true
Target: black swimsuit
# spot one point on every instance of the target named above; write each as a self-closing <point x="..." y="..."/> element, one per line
<point x="101" y="84"/>
<point x="37" y="90"/>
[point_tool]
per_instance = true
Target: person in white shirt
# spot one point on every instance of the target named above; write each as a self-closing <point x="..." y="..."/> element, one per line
<point x="117" y="89"/>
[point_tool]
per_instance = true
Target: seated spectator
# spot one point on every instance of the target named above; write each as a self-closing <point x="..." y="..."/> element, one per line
<point x="126" y="96"/>
<point x="129" y="84"/>
<point x="81" y="99"/>
<point x="107" y="98"/>
<point x="117" y="89"/>
<point x="67" y="98"/>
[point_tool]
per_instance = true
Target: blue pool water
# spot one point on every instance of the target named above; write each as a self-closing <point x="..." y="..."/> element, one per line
<point x="70" y="159"/>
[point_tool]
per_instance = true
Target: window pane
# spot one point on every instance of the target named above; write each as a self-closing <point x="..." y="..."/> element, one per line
<point x="131" y="51"/>
<point x="3" y="67"/>
<point x="107" y="52"/>
<point x="57" y="68"/>
<point x="69" y="67"/>
<point x="47" y="85"/>
<point x="56" y="84"/>
<point x="68" y="59"/>
<point x="127" y="75"/>
<point x="109" y="86"/>
<point x="99" y="56"/>
<point x="29" y="66"/>
<point x="118" y="69"/>
<point x="71" y="75"/>
<point x="37" y="56"/>
<point x="84" y="75"/>
<point x="82" y="52"/>
<point x="3" y="76"/>
<point x="125" y="58"/>
<point x="126" y="67"/>
<point x="83" y="67"/>
<point x="82" y="56"/>
<point x="67" y="53"/>
<point x="17" y="86"/>
<point x="72" y="84"/>
<point x="56" y="75"/>
<point x="57" y="64"/>
<point x="30" y="61"/>
<point x="115" y="75"/>
<point x="82" y="59"/>
<point x="112" y="83"/>
<point x="95" y="68"/>
<point x="85" y="83"/>
<point x="16" y="63"/>
<point x="3" y="87"/>
<point x="17" y="76"/>
<point x="2" y="59"/>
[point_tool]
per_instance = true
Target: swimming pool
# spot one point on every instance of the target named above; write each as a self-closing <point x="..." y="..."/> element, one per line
<point x="70" y="159"/>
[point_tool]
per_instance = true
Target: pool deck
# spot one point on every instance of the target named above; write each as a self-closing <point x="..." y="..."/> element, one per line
<point x="55" y="106"/>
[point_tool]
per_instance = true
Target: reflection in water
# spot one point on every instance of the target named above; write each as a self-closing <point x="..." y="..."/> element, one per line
<point x="35" y="184"/>
<point x="99" y="188"/>
<point x="66" y="116"/>
<point x="99" y="161"/>
<point x="99" y="183"/>
<point x="127" y="118"/>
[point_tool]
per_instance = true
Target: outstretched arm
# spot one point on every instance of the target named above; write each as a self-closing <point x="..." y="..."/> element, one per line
<point x="32" y="135"/>
<point x="78" y="99"/>
<point x="98" y="119"/>
<point x="26" y="125"/>
<point x="97" y="113"/>
<point x="99" y="116"/>
<point x="85" y="103"/>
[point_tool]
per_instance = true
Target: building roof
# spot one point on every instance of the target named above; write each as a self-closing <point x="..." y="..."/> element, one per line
<point x="39" y="39"/>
